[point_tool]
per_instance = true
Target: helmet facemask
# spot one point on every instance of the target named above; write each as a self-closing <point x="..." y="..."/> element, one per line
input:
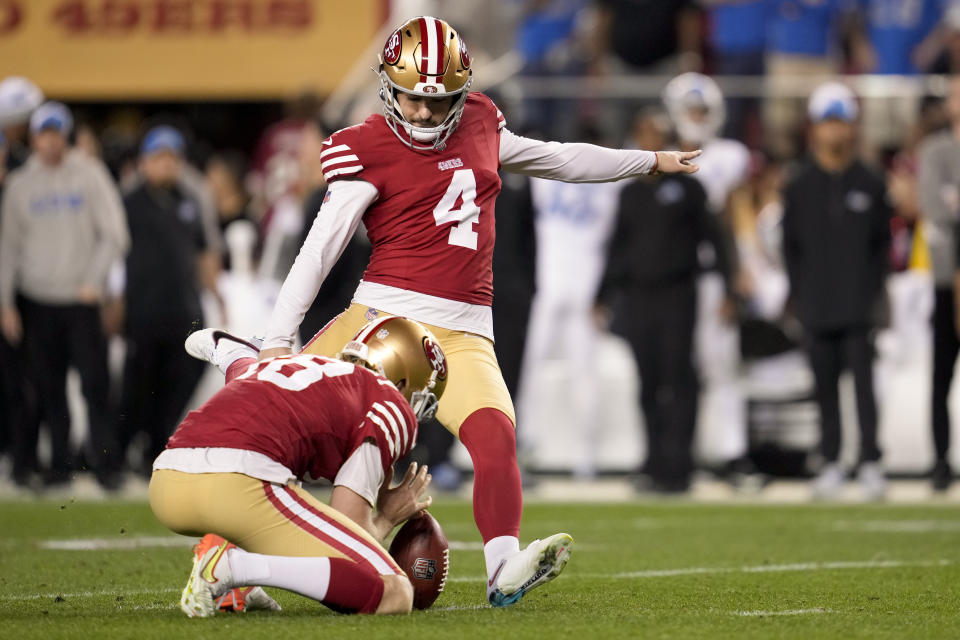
<point x="414" y="136"/>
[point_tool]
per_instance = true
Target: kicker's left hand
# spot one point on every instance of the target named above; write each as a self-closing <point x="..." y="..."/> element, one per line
<point x="399" y="503"/>
<point x="677" y="161"/>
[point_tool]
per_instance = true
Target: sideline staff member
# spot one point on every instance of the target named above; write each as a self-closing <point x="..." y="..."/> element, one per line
<point x="654" y="266"/>
<point x="836" y="237"/>
<point x="162" y="301"/>
<point x="62" y="228"/>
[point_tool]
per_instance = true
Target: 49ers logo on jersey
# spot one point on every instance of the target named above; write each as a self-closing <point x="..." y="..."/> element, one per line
<point x="435" y="355"/>
<point x="391" y="50"/>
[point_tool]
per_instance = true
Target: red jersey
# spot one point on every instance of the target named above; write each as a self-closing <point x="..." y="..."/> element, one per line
<point x="307" y="412"/>
<point x="432" y="226"/>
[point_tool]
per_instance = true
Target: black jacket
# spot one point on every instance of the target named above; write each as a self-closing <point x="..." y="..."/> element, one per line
<point x="166" y="237"/>
<point x="661" y="224"/>
<point x="836" y="240"/>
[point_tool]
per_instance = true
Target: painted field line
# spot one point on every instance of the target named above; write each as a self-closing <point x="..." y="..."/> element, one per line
<point x="462" y="607"/>
<point x="896" y="526"/>
<point x="117" y="544"/>
<point x="5" y="597"/>
<point x="787" y="612"/>
<point x="763" y="568"/>
<point x="780" y="568"/>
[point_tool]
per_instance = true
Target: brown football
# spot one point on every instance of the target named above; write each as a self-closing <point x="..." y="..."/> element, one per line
<point x="421" y="549"/>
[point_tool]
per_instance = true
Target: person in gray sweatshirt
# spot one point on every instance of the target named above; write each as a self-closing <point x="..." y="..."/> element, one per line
<point x="62" y="226"/>
<point x="938" y="175"/>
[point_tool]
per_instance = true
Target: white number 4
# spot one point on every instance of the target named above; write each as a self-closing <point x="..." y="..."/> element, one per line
<point x="462" y="234"/>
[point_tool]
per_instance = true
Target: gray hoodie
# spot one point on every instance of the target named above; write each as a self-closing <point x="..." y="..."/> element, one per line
<point x="938" y="178"/>
<point x="61" y="228"/>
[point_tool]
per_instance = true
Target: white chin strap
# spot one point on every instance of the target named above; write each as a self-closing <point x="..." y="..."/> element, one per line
<point x="422" y="134"/>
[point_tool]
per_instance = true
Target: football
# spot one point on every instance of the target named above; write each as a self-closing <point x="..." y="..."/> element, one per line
<point x="421" y="550"/>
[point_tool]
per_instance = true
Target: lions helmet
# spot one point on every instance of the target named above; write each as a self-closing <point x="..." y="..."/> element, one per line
<point x="405" y="353"/>
<point x="695" y="104"/>
<point x="424" y="57"/>
<point x="19" y="97"/>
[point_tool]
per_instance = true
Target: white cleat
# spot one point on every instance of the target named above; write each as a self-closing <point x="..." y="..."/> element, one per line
<point x="538" y="564"/>
<point x="209" y="579"/>
<point x="219" y="348"/>
<point x="873" y="481"/>
<point x="828" y="485"/>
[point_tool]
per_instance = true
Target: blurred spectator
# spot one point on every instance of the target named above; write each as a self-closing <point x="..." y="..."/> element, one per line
<point x="804" y="39"/>
<point x="897" y="36"/>
<point x="939" y="194"/>
<point x="275" y="183"/>
<point x="18" y="99"/>
<point x="948" y="43"/>
<point x="653" y="269"/>
<point x="737" y="39"/>
<point x="62" y="228"/>
<point x="85" y="140"/>
<point x="162" y="301"/>
<point x="224" y="178"/>
<point x="836" y="237"/>
<point x="643" y="37"/>
<point x="648" y="36"/>
<point x="696" y="107"/>
<point x="546" y="45"/>
<point x="573" y="224"/>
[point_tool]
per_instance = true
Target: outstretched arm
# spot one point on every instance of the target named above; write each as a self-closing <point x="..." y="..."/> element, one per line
<point x="335" y="224"/>
<point x="580" y="162"/>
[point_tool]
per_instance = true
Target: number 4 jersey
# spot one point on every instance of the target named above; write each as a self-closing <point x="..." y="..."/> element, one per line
<point x="308" y="413"/>
<point x="429" y="216"/>
<point x="432" y="225"/>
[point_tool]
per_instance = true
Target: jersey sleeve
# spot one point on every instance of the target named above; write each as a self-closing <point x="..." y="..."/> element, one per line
<point x="394" y="429"/>
<point x="489" y="104"/>
<point x="332" y="229"/>
<point x="362" y="473"/>
<point x="571" y="162"/>
<point x="347" y="155"/>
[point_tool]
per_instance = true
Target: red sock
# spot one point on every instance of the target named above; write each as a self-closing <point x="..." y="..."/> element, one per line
<point x="237" y="367"/>
<point x="489" y="436"/>
<point x="353" y="588"/>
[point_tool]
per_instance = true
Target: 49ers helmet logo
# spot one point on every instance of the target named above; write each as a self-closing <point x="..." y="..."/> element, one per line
<point x="391" y="50"/>
<point x="464" y="55"/>
<point x="436" y="357"/>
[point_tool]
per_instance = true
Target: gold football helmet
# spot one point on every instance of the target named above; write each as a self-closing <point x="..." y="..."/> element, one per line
<point x="424" y="57"/>
<point x="405" y="353"/>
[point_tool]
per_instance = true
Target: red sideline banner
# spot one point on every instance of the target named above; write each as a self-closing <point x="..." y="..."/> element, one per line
<point x="184" y="49"/>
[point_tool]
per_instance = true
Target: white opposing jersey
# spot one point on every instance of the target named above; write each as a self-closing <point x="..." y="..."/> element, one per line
<point x="725" y="163"/>
<point x="573" y="225"/>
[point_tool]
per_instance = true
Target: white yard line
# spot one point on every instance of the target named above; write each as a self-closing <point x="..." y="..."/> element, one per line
<point x="117" y="544"/>
<point x="780" y="568"/>
<point x="5" y="597"/>
<point x="762" y="568"/>
<point x="787" y="612"/>
<point x="896" y="526"/>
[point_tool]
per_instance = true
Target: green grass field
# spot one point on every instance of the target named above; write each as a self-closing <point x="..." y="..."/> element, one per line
<point x="657" y="570"/>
